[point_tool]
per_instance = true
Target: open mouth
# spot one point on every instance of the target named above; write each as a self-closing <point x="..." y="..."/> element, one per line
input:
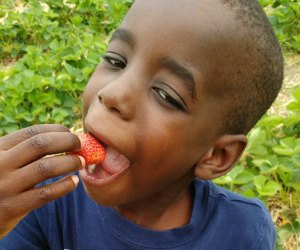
<point x="113" y="165"/>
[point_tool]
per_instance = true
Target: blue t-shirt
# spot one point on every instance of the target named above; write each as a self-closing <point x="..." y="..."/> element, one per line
<point x="220" y="220"/>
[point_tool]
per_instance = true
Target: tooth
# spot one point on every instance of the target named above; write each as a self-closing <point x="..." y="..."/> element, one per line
<point x="91" y="168"/>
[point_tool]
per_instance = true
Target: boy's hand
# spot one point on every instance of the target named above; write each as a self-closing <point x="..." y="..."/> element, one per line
<point x="22" y="166"/>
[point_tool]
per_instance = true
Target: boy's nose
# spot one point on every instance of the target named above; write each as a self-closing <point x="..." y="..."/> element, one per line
<point x="119" y="97"/>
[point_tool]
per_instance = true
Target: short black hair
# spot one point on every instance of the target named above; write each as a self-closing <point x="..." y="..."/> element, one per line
<point x="253" y="86"/>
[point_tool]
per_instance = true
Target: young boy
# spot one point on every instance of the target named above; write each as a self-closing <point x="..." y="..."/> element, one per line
<point x="180" y="85"/>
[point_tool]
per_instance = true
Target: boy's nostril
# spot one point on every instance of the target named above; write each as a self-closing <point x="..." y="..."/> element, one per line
<point x="115" y="110"/>
<point x="109" y="104"/>
<point x="100" y="98"/>
<point x="118" y="102"/>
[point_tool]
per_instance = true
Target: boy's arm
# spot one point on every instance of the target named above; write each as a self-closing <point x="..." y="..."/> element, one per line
<point x="23" y="165"/>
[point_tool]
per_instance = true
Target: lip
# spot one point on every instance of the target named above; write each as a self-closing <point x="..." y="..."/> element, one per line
<point x="104" y="140"/>
<point x="99" y="137"/>
<point x="91" y="180"/>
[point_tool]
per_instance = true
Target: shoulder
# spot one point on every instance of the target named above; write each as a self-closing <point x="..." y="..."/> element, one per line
<point x="220" y="194"/>
<point x="235" y="201"/>
<point x="246" y="219"/>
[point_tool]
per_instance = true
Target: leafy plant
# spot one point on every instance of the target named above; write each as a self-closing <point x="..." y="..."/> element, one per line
<point x="270" y="167"/>
<point x="56" y="46"/>
<point x="284" y="16"/>
<point x="49" y="48"/>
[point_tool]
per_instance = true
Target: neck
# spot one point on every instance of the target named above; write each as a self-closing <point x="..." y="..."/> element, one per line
<point x="162" y="211"/>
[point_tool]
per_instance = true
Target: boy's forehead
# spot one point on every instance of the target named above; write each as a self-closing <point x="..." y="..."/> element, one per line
<point x="208" y="12"/>
<point x="199" y="28"/>
<point x="204" y="22"/>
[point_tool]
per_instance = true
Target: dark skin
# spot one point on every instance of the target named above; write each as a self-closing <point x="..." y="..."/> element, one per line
<point x="149" y="100"/>
<point x="161" y="118"/>
<point x="22" y="166"/>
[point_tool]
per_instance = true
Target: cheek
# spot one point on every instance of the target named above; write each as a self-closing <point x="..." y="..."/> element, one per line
<point x="166" y="149"/>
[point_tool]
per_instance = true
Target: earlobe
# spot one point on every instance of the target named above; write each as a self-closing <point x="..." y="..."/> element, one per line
<point x="220" y="157"/>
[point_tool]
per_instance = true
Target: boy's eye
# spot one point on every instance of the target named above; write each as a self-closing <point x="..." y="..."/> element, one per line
<point x="115" y="60"/>
<point x="174" y="102"/>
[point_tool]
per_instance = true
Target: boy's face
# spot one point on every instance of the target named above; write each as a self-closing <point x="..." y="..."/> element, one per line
<point x="148" y="101"/>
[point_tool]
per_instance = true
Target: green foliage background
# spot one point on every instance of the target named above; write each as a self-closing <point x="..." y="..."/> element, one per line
<point x="49" y="48"/>
<point x="48" y="51"/>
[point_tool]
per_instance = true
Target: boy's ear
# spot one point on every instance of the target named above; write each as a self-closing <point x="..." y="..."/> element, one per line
<point x="220" y="157"/>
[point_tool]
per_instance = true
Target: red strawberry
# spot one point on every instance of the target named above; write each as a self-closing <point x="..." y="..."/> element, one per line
<point x="93" y="152"/>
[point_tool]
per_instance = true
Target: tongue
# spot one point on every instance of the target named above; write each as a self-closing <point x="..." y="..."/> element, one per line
<point x="114" y="161"/>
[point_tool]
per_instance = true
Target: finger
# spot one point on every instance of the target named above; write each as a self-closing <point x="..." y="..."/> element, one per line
<point x="37" y="197"/>
<point x="43" y="169"/>
<point x="39" y="146"/>
<point x="10" y="140"/>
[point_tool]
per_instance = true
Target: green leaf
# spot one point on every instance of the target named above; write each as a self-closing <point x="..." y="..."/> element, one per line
<point x="59" y="114"/>
<point x="268" y="165"/>
<point x="54" y="45"/>
<point x="288" y="147"/>
<point x="76" y="20"/>
<point x="266" y="187"/>
<point x="10" y="128"/>
<point x="76" y="73"/>
<point x="243" y="178"/>
<point x="270" y="188"/>
<point x="257" y="137"/>
<point x="223" y="180"/>
<point x="249" y="193"/>
<point x="44" y="117"/>
<point x="259" y="182"/>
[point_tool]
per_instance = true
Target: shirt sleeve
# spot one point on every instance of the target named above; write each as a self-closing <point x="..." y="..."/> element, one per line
<point x="26" y="235"/>
<point x="267" y="237"/>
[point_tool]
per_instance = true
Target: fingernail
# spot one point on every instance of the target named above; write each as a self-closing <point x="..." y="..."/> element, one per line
<point x="82" y="162"/>
<point x="75" y="179"/>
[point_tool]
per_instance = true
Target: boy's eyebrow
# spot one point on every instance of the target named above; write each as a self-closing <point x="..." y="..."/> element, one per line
<point x="124" y="35"/>
<point x="168" y="63"/>
<point x="181" y="71"/>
